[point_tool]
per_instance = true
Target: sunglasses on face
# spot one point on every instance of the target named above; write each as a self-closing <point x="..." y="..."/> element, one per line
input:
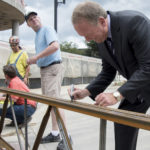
<point x="13" y="45"/>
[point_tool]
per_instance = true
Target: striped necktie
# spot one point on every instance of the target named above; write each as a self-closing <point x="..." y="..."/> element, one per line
<point x="110" y="45"/>
<point x="111" y="49"/>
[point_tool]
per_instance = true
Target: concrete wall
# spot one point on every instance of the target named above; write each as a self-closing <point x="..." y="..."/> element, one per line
<point x="78" y="69"/>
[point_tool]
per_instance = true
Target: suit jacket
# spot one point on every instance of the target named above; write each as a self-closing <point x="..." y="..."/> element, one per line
<point x="131" y="39"/>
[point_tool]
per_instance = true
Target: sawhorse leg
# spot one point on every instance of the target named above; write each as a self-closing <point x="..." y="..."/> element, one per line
<point x="42" y="128"/>
<point x="4" y="111"/>
<point x="3" y="114"/>
<point x="63" y="130"/>
<point x="4" y="144"/>
<point x="61" y="126"/>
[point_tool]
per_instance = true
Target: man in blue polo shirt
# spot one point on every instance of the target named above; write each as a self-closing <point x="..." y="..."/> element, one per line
<point x="48" y="58"/>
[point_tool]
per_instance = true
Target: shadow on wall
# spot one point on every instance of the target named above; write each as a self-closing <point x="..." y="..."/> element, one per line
<point x="36" y="82"/>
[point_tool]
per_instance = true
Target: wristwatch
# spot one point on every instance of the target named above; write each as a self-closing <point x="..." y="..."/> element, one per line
<point x="117" y="96"/>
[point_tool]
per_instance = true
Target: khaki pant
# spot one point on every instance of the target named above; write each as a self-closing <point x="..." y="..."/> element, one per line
<point x="51" y="80"/>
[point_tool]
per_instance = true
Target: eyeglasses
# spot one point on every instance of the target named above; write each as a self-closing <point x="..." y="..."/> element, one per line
<point x="13" y="45"/>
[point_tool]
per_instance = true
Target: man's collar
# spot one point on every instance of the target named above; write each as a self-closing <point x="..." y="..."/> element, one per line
<point x="109" y="27"/>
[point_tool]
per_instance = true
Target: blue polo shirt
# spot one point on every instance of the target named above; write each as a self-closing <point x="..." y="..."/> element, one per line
<point x="44" y="37"/>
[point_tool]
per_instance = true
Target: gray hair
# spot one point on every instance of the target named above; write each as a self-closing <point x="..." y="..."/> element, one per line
<point x="9" y="70"/>
<point x="88" y="10"/>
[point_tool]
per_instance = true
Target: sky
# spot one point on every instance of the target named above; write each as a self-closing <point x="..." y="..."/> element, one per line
<point x="65" y="30"/>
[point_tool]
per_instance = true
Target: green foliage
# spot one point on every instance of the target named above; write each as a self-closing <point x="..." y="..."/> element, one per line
<point x="92" y="49"/>
<point x="70" y="47"/>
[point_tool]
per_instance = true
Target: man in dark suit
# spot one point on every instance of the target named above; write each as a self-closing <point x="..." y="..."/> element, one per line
<point x="123" y="40"/>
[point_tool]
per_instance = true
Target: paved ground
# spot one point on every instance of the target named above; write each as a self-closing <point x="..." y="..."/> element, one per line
<point x="83" y="129"/>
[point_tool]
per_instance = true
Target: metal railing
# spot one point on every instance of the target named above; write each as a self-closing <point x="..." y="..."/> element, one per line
<point x="133" y="119"/>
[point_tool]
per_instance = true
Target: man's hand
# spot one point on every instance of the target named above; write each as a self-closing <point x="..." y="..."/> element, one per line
<point x="32" y="60"/>
<point x="79" y="94"/>
<point x="105" y="99"/>
<point x="25" y="80"/>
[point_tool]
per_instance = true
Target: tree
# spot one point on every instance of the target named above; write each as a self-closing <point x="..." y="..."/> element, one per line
<point x="70" y="47"/>
<point x="92" y="49"/>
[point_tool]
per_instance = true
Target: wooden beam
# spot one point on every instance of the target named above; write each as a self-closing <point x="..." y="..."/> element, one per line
<point x="137" y="120"/>
<point x="4" y="144"/>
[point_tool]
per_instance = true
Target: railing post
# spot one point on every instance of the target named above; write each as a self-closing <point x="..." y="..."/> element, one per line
<point x="26" y="126"/>
<point x="15" y="121"/>
<point x="102" y="138"/>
